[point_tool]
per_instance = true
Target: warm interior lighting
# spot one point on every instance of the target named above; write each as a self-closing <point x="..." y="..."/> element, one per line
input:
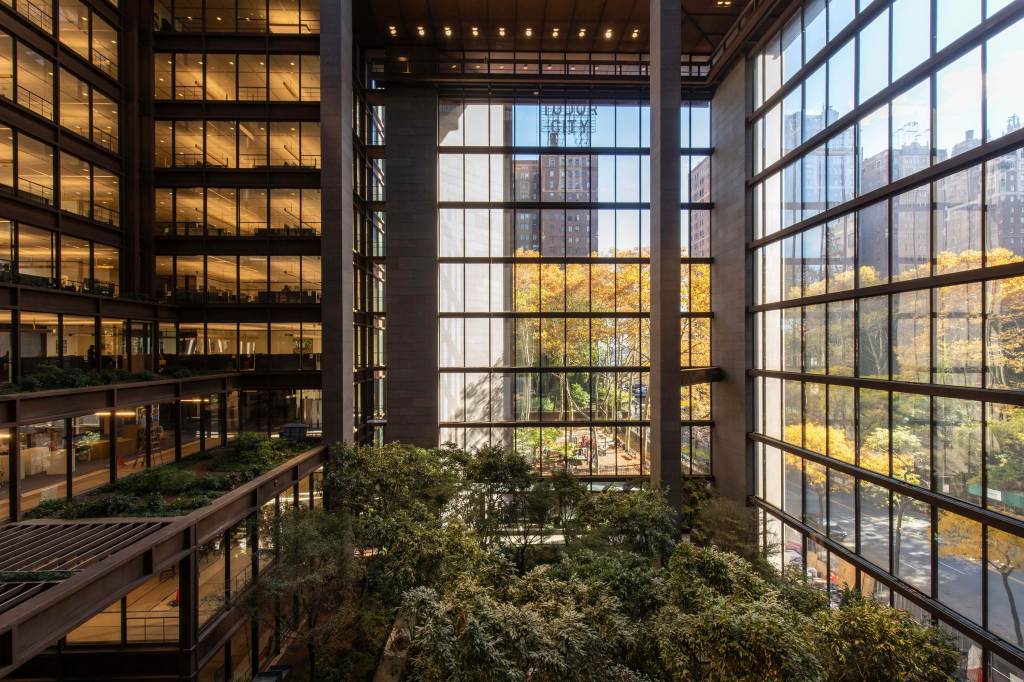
<point x="636" y="33"/>
<point x="529" y="32"/>
<point x="723" y="3"/>
<point x="421" y="31"/>
<point x="475" y="31"/>
<point x="501" y="31"/>
<point x="583" y="33"/>
<point x="447" y="31"/>
<point x="608" y="33"/>
<point x="554" y="33"/>
<point x="393" y="30"/>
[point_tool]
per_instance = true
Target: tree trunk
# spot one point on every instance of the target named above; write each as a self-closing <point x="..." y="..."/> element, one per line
<point x="1013" y="607"/>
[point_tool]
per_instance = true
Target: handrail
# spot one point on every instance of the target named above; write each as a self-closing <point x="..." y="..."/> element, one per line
<point x="37" y="14"/>
<point x="35" y="102"/>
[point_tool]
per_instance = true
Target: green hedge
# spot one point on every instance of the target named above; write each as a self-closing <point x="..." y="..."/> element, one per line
<point x="175" y="489"/>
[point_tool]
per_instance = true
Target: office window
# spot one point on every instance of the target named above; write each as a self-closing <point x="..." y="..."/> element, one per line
<point x="74" y="104"/>
<point x="73" y="26"/>
<point x="75" y="185"/>
<point x="35" y="82"/>
<point x="188" y="76"/>
<point x="104" y="121"/>
<point x="35" y="169"/>
<point x="106" y="270"/>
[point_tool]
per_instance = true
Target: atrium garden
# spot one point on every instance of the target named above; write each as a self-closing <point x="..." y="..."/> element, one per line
<point x="442" y="564"/>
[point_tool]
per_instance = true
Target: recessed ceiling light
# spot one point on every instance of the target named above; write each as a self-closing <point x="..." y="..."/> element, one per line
<point x="501" y="31"/>
<point x="448" y="31"/>
<point x="607" y="33"/>
<point x="393" y="30"/>
<point x="583" y="33"/>
<point x="475" y="31"/>
<point x="554" y="33"/>
<point x="421" y="31"/>
<point x="636" y="33"/>
<point x="529" y="31"/>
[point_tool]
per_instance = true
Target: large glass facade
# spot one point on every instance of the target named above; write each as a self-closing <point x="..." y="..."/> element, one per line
<point x="544" y="271"/>
<point x="887" y="243"/>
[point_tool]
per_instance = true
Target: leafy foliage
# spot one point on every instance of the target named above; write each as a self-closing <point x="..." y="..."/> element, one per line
<point x="499" y="574"/>
<point x="47" y="376"/>
<point x="176" y="489"/>
<point x="638" y="521"/>
<point x="735" y="640"/>
<point x="863" y="640"/>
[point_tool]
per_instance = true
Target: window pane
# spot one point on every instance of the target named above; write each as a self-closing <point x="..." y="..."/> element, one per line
<point x="873" y="41"/>
<point x="1004" y="103"/>
<point x="35" y="82"/>
<point x="35" y="169"/>
<point x="958" y="106"/>
<point x="911" y="21"/>
<point x="958" y="348"/>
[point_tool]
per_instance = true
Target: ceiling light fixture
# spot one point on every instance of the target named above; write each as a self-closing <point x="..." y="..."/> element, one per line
<point x="501" y="31"/>
<point x="529" y="32"/>
<point x="475" y="31"/>
<point x="636" y="33"/>
<point x="583" y="33"/>
<point x="447" y="31"/>
<point x="393" y="30"/>
<point x="608" y="33"/>
<point x="554" y="33"/>
<point x="421" y="31"/>
<point x="724" y="3"/>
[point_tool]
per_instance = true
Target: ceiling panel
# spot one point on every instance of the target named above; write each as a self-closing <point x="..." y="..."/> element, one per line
<point x="609" y="25"/>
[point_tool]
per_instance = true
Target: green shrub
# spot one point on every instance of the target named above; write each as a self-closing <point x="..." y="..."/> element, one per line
<point x="47" y="376"/>
<point x="864" y="640"/>
<point x="639" y="521"/>
<point x="695" y="572"/>
<point x="735" y="640"/>
<point x="174" y="489"/>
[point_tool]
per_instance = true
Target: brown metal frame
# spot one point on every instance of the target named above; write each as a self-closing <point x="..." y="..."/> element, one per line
<point x="37" y="622"/>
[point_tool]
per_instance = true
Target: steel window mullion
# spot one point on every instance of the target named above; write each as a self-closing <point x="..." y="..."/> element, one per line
<point x="950" y="53"/>
<point x="891" y="581"/>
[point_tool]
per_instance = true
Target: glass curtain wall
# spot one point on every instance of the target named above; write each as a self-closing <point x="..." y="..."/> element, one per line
<point x="889" y="273"/>
<point x="544" y="294"/>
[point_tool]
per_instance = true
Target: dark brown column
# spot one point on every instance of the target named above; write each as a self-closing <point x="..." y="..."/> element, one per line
<point x="336" y="239"/>
<point x="666" y="86"/>
<point x="136" y="146"/>
<point x="731" y="334"/>
<point x="411" y="129"/>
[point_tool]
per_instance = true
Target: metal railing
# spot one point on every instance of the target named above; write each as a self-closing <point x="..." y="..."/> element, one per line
<point x="511" y="64"/>
<point x="34" y="102"/>
<point x="188" y="92"/>
<point x="104" y="139"/>
<point x="34" y="190"/>
<point x="105" y="214"/>
<point x="104" y="61"/>
<point x="150" y="628"/>
<point x="252" y="93"/>
<point x="37" y="13"/>
<point x="252" y="160"/>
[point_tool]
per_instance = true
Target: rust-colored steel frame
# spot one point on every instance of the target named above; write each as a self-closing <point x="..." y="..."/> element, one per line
<point x="44" y="617"/>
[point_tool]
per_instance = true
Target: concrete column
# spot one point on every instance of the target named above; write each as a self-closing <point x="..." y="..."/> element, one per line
<point x="666" y="85"/>
<point x="337" y="227"/>
<point x="731" y="332"/>
<point x="411" y="290"/>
